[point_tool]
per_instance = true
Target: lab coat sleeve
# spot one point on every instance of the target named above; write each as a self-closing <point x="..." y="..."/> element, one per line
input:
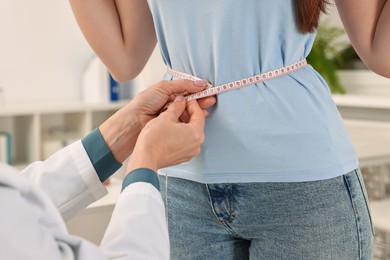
<point x="31" y="226"/>
<point x="138" y="227"/>
<point x="68" y="178"/>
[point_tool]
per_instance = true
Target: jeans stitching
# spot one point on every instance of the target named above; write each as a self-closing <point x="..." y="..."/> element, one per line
<point x="351" y="195"/>
<point x="365" y="200"/>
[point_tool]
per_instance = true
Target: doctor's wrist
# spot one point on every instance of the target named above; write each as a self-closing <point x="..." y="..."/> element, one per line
<point x="120" y="132"/>
<point x="141" y="159"/>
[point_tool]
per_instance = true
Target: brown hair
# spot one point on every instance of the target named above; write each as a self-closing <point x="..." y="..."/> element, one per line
<point x="308" y="14"/>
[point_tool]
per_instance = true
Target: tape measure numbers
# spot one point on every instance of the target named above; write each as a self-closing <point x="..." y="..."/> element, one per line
<point x="213" y="90"/>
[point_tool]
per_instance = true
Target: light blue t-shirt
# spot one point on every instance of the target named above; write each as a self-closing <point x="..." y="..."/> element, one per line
<point x="286" y="129"/>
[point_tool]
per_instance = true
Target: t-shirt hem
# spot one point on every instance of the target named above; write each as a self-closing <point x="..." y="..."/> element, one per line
<point x="314" y="175"/>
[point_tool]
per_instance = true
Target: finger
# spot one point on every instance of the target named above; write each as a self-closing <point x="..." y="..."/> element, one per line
<point x="171" y="98"/>
<point x="196" y="114"/>
<point x="207" y="102"/>
<point x="182" y="85"/>
<point x="176" y="109"/>
<point x="185" y="118"/>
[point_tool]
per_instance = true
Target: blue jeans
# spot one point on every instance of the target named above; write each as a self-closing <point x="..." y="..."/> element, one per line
<point x="327" y="219"/>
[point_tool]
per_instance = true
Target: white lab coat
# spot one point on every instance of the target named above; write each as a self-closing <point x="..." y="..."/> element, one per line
<point x="31" y="205"/>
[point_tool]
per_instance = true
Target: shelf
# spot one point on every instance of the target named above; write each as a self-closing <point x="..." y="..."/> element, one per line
<point x="364" y="83"/>
<point x="360" y="101"/>
<point x="49" y="108"/>
<point x="367" y="98"/>
<point x="98" y="117"/>
<point x="39" y="130"/>
<point x="374" y="108"/>
<point x="371" y="141"/>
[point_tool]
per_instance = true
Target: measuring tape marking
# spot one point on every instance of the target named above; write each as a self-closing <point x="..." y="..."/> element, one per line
<point x="213" y="90"/>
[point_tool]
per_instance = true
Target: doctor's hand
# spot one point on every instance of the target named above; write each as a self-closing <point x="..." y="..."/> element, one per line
<point x="149" y="102"/>
<point x="121" y="130"/>
<point x="165" y="141"/>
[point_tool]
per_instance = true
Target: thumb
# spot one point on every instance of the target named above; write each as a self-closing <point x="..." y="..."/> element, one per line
<point x="176" y="109"/>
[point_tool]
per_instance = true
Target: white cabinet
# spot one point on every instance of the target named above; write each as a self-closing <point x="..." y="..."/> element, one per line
<point x="37" y="131"/>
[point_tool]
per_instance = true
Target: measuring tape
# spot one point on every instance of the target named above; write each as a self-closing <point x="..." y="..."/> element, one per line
<point x="213" y="90"/>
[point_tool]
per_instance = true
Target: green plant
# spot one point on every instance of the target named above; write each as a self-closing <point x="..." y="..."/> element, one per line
<point x="325" y="55"/>
<point x="350" y="60"/>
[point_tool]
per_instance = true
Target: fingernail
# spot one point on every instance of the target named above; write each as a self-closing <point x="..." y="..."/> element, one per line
<point x="179" y="98"/>
<point x="201" y="83"/>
